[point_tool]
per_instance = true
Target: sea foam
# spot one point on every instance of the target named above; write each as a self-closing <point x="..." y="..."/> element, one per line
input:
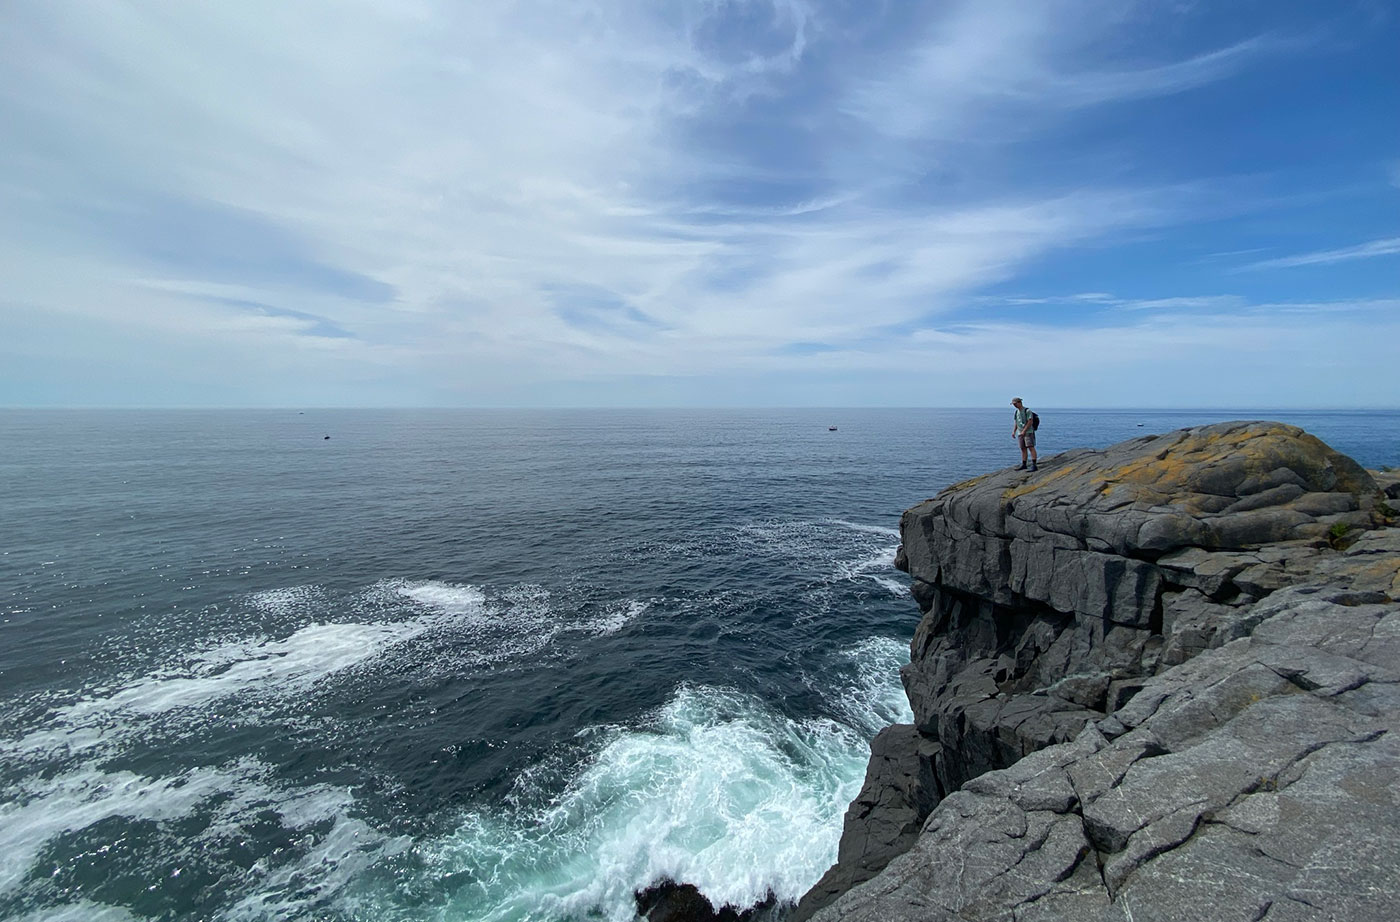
<point x="716" y="789"/>
<point x="224" y="799"/>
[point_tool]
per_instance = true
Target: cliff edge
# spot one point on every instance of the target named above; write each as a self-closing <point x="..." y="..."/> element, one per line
<point x="1159" y="681"/>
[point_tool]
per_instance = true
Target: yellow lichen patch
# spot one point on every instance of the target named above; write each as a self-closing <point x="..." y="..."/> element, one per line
<point x="1384" y="575"/>
<point x="1163" y="472"/>
<point x="1168" y="467"/>
<point x="965" y="484"/>
<point x="1035" y="483"/>
<point x="1172" y="468"/>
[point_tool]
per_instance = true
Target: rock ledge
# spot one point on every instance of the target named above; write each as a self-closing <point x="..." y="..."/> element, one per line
<point x="1158" y="681"/>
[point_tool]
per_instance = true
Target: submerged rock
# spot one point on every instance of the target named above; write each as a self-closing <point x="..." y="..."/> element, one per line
<point x="669" y="901"/>
<point x="1153" y="682"/>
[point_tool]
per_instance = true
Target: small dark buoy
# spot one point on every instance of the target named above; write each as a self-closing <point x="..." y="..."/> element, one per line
<point x="327" y="436"/>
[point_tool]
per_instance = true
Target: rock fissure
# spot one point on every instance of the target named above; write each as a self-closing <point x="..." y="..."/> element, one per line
<point x="1120" y="869"/>
<point x="1260" y="853"/>
<point x="1213" y="819"/>
<point x="1303" y="901"/>
<point x="1154" y="656"/>
<point x="1304" y="684"/>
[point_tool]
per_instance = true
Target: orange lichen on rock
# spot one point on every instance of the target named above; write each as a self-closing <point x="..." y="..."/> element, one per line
<point x="963" y="485"/>
<point x="1034" y="483"/>
<point x="1178" y="466"/>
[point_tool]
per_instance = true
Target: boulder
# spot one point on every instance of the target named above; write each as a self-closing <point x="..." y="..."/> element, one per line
<point x="669" y="901"/>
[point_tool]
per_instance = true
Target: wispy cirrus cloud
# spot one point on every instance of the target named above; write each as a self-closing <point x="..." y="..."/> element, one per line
<point x="1263" y="347"/>
<point x="509" y="202"/>
<point x="990" y="66"/>
<point x="1105" y="301"/>
<point x="1369" y="250"/>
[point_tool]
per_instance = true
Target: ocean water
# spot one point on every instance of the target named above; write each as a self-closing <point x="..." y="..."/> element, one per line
<point x="461" y="665"/>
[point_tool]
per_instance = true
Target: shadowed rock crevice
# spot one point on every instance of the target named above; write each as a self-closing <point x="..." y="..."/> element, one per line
<point x="1147" y="683"/>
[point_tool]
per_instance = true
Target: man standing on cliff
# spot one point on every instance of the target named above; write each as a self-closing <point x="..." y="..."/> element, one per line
<point x="1023" y="431"/>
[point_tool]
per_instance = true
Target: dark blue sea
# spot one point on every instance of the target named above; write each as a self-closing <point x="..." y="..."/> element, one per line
<point x="462" y="665"/>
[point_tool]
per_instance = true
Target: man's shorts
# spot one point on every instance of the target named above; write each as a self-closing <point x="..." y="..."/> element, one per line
<point x="1026" y="439"/>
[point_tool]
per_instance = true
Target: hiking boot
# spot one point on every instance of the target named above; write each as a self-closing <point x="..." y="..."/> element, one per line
<point x="1022" y="467"/>
<point x="1033" y="467"/>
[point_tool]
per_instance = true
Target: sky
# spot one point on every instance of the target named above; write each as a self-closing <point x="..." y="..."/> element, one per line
<point x="700" y="203"/>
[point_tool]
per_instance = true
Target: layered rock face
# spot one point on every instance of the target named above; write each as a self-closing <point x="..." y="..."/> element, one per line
<point x="1153" y="682"/>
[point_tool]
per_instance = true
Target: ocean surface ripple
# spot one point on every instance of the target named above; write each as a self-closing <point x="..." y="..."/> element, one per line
<point x="460" y="665"/>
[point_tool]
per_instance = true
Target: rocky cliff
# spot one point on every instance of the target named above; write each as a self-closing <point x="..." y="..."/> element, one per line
<point x="1159" y="681"/>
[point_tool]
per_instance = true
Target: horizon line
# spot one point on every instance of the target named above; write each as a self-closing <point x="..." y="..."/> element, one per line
<point x="1217" y="408"/>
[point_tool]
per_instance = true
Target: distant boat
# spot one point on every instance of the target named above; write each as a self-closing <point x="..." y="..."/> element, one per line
<point x="1139" y="425"/>
<point x="830" y="428"/>
<point x="327" y="436"/>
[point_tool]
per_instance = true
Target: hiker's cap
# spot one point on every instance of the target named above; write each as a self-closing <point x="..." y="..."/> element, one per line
<point x="1015" y="400"/>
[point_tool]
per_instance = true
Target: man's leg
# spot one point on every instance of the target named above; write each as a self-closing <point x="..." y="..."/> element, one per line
<point x="1021" y="440"/>
<point x="1031" y="443"/>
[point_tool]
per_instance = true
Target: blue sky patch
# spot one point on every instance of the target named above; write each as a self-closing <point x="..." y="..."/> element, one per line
<point x="642" y="204"/>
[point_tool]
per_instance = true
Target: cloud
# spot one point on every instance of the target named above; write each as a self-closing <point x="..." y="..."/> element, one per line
<point x="218" y="243"/>
<point x="500" y="201"/>
<point x="1104" y="300"/>
<point x="1370" y="250"/>
<point x="992" y="65"/>
<point x="1095" y="87"/>
<point x="1253" y="354"/>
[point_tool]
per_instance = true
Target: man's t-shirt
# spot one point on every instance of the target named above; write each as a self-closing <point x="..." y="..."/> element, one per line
<point x="1023" y="417"/>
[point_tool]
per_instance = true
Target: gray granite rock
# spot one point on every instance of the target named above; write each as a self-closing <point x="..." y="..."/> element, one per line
<point x="1242" y="793"/>
<point x="1152" y="683"/>
<point x="900" y="791"/>
<point x="1088" y="532"/>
